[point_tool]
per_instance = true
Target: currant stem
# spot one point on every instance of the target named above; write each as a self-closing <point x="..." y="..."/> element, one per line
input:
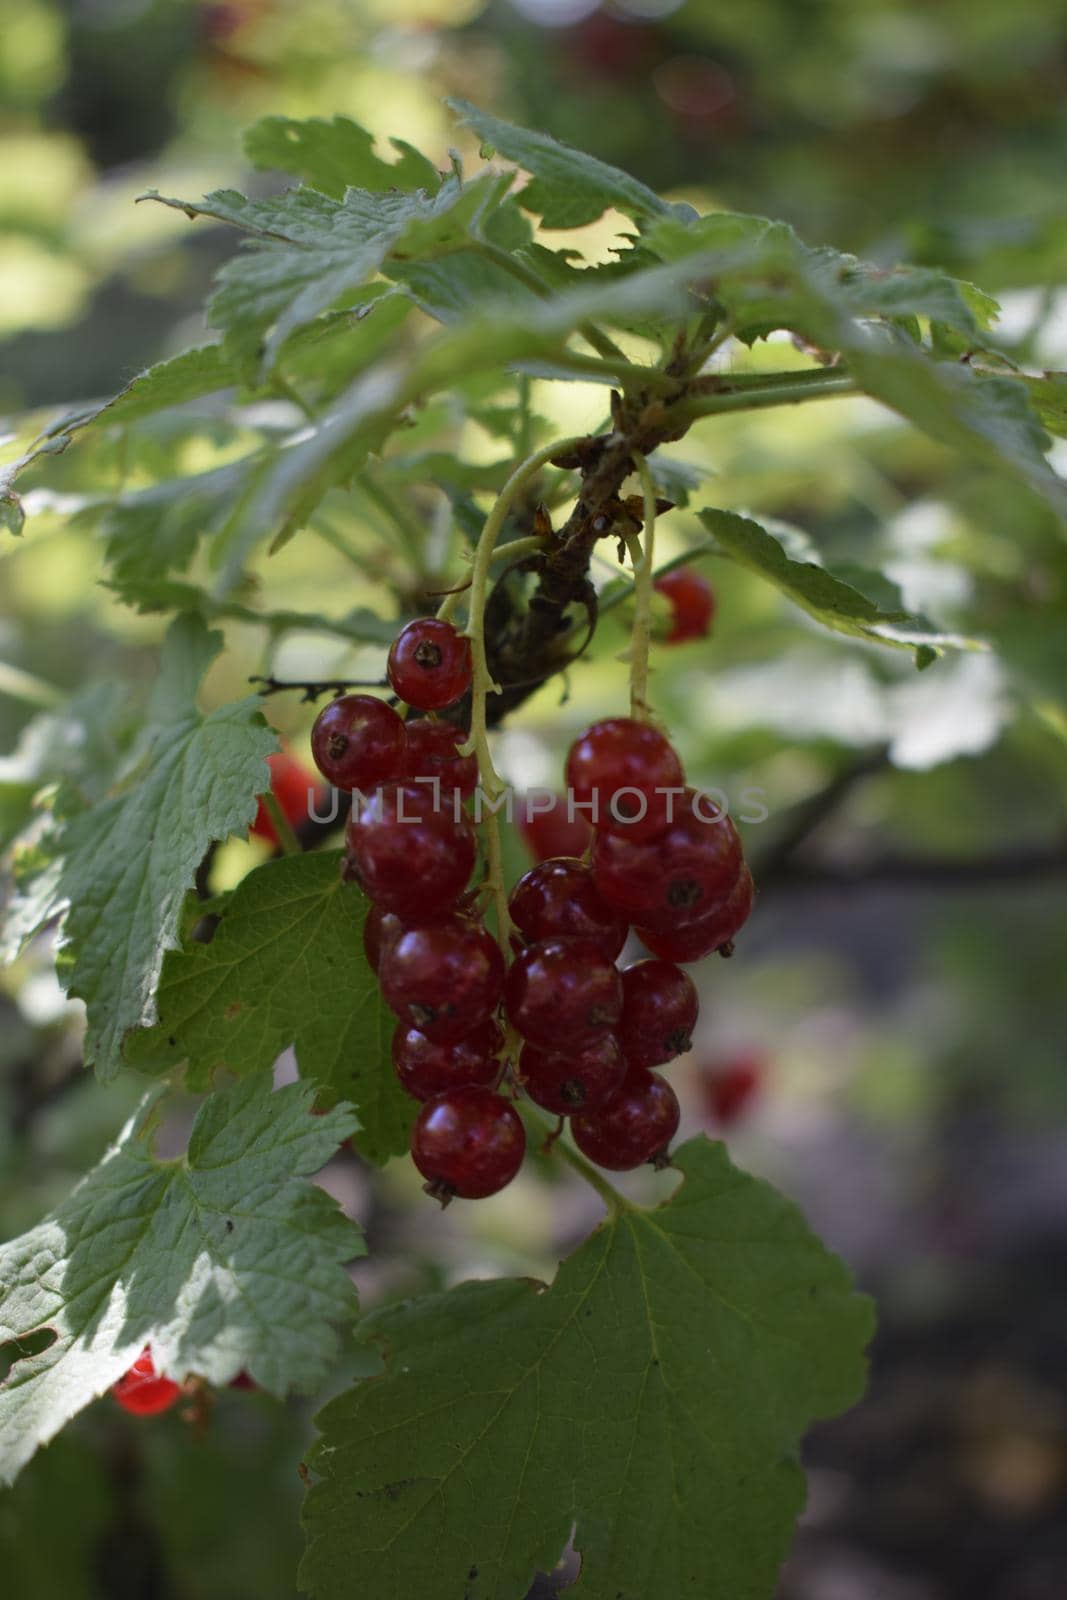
<point x="287" y="839"/>
<point x="642" y="554"/>
<point x="585" y="1169"/>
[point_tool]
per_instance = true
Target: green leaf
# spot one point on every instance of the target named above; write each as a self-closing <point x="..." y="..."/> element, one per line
<point x="285" y="967"/>
<point x="653" y="1398"/>
<point x="335" y="155"/>
<point x="308" y="251"/>
<point x="569" y="188"/>
<point x="189" y="376"/>
<point x="129" y="859"/>
<point x="12" y="516"/>
<point x="1048" y="396"/>
<point x="222" y="1261"/>
<point x="835" y="603"/>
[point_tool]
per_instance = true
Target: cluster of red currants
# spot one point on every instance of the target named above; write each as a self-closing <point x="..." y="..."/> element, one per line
<point x="590" y="1034"/>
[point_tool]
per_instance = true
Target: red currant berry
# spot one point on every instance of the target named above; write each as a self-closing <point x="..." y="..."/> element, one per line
<point x="692" y="601"/>
<point x="731" y="1086"/>
<point x="443" y="978"/>
<point x="142" y="1391"/>
<point x="468" y="1142"/>
<point x="563" y="991"/>
<point x="429" y="664"/>
<point x="243" y="1381"/>
<point x="380" y="929"/>
<point x="294" y="788"/>
<point x="426" y="1068"/>
<point x="553" y="832"/>
<point x="409" y="855"/>
<point x="432" y="753"/>
<point x="713" y="932"/>
<point x="577" y="1081"/>
<point x="659" y="1012"/>
<point x="679" y="878"/>
<point x="620" y="765"/>
<point x="358" y="742"/>
<point x="559" y="899"/>
<point x="636" y="1125"/>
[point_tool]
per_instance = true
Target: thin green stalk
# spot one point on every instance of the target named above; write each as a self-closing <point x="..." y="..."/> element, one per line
<point x="772" y="389"/>
<point x="28" y="687"/>
<point x="607" y="1191"/>
<point x="287" y="839"/>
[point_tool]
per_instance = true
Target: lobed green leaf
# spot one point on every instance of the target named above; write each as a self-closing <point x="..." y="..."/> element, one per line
<point x="651" y="1400"/>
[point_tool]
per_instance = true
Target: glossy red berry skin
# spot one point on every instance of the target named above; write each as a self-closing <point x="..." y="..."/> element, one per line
<point x="431" y="753"/>
<point x="577" y="1081"/>
<point x="659" y="1012"/>
<point x="563" y="992"/>
<point x="558" y="899"/>
<point x="692" y="602"/>
<point x="731" y="1086"/>
<point x="358" y="742"/>
<point x="426" y="1068"/>
<point x="443" y="978"/>
<point x="294" y="787"/>
<point x="410" y="856"/>
<point x="681" y="877"/>
<point x="468" y="1142"/>
<point x="620" y="764"/>
<point x="380" y="929"/>
<point x="142" y="1392"/>
<point x="714" y="932"/>
<point x="552" y="833"/>
<point x="429" y="664"/>
<point x="636" y="1125"/>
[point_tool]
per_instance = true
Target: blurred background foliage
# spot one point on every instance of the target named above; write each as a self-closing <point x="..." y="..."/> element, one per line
<point x="900" y="990"/>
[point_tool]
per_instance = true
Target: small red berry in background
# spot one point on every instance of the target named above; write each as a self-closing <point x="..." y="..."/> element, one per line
<point x="732" y="1085"/>
<point x="429" y="664"/>
<point x="552" y="832"/>
<point x="291" y="785"/>
<point x="692" y="602"/>
<point x="142" y="1392"/>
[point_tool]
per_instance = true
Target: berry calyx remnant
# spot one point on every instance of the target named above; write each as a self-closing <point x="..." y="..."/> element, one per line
<point x="468" y="1142"/>
<point x="358" y="742"/>
<point x="636" y="1125"/>
<point x="142" y="1391"/>
<point x="429" y="664"/>
<point x="692" y="602"/>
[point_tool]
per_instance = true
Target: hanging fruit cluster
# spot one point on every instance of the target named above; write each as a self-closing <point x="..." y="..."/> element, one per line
<point x="560" y="1021"/>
